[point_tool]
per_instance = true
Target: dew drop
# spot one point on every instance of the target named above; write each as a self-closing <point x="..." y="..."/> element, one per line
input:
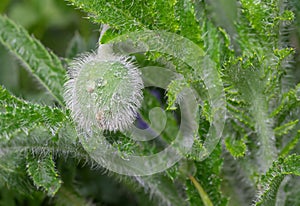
<point x="118" y="74"/>
<point x="94" y="96"/>
<point x="117" y="96"/>
<point x="101" y="82"/>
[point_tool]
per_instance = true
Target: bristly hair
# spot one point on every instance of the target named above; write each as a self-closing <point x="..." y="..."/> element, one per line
<point x="103" y="91"/>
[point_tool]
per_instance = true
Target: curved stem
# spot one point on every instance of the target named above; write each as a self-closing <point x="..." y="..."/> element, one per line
<point x="205" y="199"/>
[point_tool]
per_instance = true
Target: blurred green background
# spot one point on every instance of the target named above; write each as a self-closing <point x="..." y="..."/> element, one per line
<point x="56" y="25"/>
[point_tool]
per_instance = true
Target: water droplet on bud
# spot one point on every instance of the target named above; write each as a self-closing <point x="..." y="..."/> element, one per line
<point x="101" y="82"/>
<point x="116" y="96"/>
<point x="94" y="96"/>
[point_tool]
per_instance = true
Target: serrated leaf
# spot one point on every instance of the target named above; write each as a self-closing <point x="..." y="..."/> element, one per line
<point x="18" y="115"/>
<point x="188" y="25"/>
<point x="43" y="173"/>
<point x="163" y="189"/>
<point x="289" y="100"/>
<point x="292" y="191"/>
<point x="41" y="63"/>
<point x="284" y="129"/>
<point x="270" y="182"/>
<point x="290" y="145"/>
<point x="128" y="15"/>
<point x="12" y="172"/>
<point x="237" y="148"/>
<point x="173" y="92"/>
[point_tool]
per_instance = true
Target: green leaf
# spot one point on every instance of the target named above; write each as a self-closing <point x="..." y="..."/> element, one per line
<point x="43" y="173"/>
<point x="270" y="182"/>
<point x="292" y="191"/>
<point x="40" y="141"/>
<point x="69" y="197"/>
<point x="237" y="148"/>
<point x="12" y="172"/>
<point x="189" y="26"/>
<point x="173" y="92"/>
<point x="290" y="145"/>
<point x="288" y="102"/>
<point x="163" y="189"/>
<point x="20" y="116"/>
<point x="128" y="15"/>
<point x="208" y="176"/>
<point x="41" y="63"/>
<point x="256" y="14"/>
<point x="284" y="129"/>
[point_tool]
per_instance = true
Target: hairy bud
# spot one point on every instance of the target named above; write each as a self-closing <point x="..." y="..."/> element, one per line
<point x="103" y="91"/>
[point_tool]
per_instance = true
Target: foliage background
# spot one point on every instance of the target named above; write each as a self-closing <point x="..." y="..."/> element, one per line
<point x="55" y="24"/>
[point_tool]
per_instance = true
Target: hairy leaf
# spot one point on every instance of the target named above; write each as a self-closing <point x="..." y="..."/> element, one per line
<point x="237" y="148"/>
<point x="18" y="115"/>
<point x="43" y="173"/>
<point x="68" y="197"/>
<point x="12" y="172"/>
<point x="128" y="15"/>
<point x="271" y="180"/>
<point x="41" y="63"/>
<point x="163" y="189"/>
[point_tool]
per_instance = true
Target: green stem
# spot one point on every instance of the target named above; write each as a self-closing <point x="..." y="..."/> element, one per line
<point x="202" y="193"/>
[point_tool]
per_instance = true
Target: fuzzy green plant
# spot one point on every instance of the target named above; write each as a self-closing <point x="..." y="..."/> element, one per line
<point x="105" y="100"/>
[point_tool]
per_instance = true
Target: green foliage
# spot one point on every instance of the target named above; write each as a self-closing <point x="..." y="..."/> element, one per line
<point x="42" y="64"/>
<point x="272" y="179"/>
<point x="251" y="47"/>
<point x="67" y="197"/>
<point x="43" y="174"/>
<point x="237" y="148"/>
<point x="128" y="15"/>
<point x="18" y="115"/>
<point x="208" y="175"/>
